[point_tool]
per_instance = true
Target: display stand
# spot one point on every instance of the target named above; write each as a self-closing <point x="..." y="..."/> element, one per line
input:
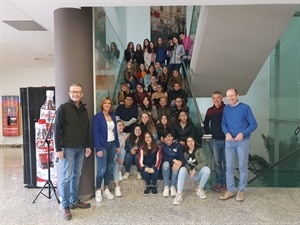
<point x="48" y="185"/>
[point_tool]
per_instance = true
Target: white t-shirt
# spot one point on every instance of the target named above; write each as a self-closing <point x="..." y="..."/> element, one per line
<point x="110" y="131"/>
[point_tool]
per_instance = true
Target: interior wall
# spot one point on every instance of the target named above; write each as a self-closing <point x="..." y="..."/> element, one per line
<point x="138" y="24"/>
<point x="12" y="80"/>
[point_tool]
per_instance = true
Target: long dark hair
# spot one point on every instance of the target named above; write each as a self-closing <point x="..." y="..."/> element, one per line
<point x="143" y="107"/>
<point x="145" y="146"/>
<point x="196" y="143"/>
<point x="132" y="137"/>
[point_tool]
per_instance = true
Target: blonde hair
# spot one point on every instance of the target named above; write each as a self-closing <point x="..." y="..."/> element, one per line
<point x="150" y="124"/>
<point x="107" y="99"/>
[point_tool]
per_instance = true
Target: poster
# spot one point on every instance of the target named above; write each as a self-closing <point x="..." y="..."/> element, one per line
<point x="10" y="116"/>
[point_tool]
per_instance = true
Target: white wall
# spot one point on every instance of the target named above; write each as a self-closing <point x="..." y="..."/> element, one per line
<point x="11" y="80"/>
<point x="138" y="24"/>
<point x="258" y="99"/>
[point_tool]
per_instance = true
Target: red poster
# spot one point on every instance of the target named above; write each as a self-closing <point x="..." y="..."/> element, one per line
<point x="10" y="116"/>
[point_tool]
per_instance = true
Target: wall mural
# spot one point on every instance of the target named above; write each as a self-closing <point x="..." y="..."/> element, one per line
<point x="167" y="21"/>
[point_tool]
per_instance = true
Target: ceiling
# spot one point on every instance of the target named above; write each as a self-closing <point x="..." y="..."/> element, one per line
<point x="21" y="49"/>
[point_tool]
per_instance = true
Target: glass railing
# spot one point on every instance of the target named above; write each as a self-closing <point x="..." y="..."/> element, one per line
<point x="108" y="57"/>
<point x="207" y="149"/>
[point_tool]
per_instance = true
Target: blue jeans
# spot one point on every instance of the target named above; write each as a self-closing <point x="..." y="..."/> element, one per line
<point x="117" y="165"/>
<point x="218" y="147"/>
<point x="201" y="175"/>
<point x="166" y="172"/>
<point x="129" y="160"/>
<point x="241" y="149"/>
<point x="150" y="178"/>
<point x="72" y="165"/>
<point x="105" y="164"/>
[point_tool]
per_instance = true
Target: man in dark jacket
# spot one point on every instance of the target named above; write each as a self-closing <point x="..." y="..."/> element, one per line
<point x="212" y="125"/>
<point x="72" y="143"/>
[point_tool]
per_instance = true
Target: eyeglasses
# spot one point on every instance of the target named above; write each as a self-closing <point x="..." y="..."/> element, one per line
<point x="75" y="92"/>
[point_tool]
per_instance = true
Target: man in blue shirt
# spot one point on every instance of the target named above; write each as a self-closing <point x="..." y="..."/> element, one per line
<point x="238" y="123"/>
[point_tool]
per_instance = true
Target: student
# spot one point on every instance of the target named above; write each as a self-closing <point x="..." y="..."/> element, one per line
<point x="176" y="53"/>
<point x="183" y="128"/>
<point x="180" y="105"/>
<point x="119" y="159"/>
<point x="175" y="78"/>
<point x="172" y="160"/>
<point x="139" y="55"/>
<point x="128" y="113"/>
<point x="129" y="53"/>
<point x="130" y="75"/>
<point x="194" y="169"/>
<point x="164" y="77"/>
<point x="157" y="95"/>
<point x="161" y="52"/>
<point x="147" y="124"/>
<point x="149" y="159"/>
<point x="124" y="91"/>
<point x="147" y="79"/>
<point x="139" y="94"/>
<point x="106" y="144"/>
<point x="132" y="144"/>
<point x="163" y="109"/>
<point x="147" y="106"/>
<point x="162" y="127"/>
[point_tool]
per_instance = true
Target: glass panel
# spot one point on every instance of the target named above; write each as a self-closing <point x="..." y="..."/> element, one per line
<point x="207" y="149"/>
<point x="108" y="56"/>
<point x="192" y="34"/>
<point x="279" y="168"/>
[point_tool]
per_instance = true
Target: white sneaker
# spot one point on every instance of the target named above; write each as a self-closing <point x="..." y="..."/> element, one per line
<point x="178" y="198"/>
<point x="166" y="191"/>
<point x="120" y="176"/>
<point x="107" y="194"/>
<point x="98" y="196"/>
<point x="118" y="191"/>
<point x="173" y="191"/>
<point x="200" y="192"/>
<point x="126" y="176"/>
<point x="138" y="175"/>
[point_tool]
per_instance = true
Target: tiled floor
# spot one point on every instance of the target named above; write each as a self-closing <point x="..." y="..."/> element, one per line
<point x="262" y="205"/>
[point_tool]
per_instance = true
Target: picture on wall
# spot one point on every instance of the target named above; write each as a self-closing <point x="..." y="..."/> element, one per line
<point x="167" y="21"/>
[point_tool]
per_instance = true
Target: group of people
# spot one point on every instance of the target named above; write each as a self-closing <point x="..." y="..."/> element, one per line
<point x="156" y="59"/>
<point x="137" y="134"/>
<point x="230" y="126"/>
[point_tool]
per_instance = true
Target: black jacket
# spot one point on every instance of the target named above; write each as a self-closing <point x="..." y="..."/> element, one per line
<point x="71" y="127"/>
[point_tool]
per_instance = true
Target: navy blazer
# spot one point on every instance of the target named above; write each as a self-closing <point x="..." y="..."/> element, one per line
<point x="100" y="131"/>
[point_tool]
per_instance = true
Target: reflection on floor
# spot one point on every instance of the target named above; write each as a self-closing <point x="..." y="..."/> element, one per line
<point x="261" y="206"/>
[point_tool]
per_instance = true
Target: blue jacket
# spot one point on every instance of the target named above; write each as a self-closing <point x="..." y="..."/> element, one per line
<point x="100" y="131"/>
<point x="161" y="55"/>
<point x="174" y="151"/>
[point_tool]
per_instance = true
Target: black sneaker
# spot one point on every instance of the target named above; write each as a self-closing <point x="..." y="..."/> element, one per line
<point x="147" y="191"/>
<point x="80" y="204"/>
<point x="154" y="190"/>
<point x="67" y="214"/>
